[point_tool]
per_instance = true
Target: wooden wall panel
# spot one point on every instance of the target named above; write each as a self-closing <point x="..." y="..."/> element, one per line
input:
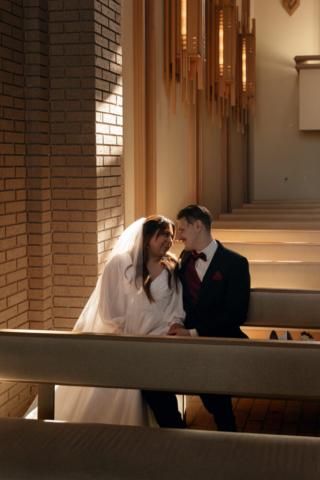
<point x="144" y="107"/>
<point x="139" y="107"/>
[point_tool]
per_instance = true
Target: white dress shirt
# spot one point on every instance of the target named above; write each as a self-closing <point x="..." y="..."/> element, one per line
<point x="201" y="268"/>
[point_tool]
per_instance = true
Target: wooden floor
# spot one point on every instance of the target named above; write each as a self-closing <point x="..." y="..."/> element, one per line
<point x="276" y="417"/>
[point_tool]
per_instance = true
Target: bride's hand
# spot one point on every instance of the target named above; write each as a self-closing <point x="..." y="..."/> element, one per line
<point x="174" y="326"/>
<point x="179" y="332"/>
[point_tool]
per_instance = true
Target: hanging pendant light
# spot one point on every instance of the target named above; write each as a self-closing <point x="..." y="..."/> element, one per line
<point x="246" y="67"/>
<point x="221" y="59"/>
<point x="227" y="47"/>
<point x="185" y="48"/>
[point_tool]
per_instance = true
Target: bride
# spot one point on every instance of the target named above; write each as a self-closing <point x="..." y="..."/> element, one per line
<point x="138" y="293"/>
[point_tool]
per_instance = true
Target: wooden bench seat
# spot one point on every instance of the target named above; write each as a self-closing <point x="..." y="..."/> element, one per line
<point x="36" y="450"/>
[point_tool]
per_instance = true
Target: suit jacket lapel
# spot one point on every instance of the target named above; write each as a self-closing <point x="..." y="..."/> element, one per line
<point x="217" y="260"/>
<point x="185" y="256"/>
<point x="184" y="260"/>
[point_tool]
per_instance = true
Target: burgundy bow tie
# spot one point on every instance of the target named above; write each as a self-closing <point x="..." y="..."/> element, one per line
<point x="197" y="255"/>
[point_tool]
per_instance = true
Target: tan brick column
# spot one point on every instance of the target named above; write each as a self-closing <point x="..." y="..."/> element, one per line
<point x="60" y="161"/>
<point x="109" y="130"/>
<point x="38" y="163"/>
<point x="13" y="239"/>
<point x="13" y="218"/>
<point x="85" y="157"/>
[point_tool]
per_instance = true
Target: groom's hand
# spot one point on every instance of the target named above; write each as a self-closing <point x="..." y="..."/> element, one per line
<point x="179" y="332"/>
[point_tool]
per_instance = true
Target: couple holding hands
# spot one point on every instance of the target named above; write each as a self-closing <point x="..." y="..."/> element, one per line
<point x="145" y="290"/>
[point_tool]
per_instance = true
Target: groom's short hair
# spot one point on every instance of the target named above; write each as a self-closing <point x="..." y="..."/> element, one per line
<point x="192" y="213"/>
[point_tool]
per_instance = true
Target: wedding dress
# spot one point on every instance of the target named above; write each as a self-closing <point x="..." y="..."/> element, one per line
<point x="119" y="305"/>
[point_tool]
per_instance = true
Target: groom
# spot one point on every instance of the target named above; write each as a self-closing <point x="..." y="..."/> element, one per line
<point x="216" y="291"/>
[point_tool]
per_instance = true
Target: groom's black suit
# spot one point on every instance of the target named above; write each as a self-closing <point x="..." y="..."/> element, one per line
<point x="223" y="299"/>
<point x="220" y="309"/>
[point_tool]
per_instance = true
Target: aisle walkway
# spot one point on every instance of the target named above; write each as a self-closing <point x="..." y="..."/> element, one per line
<point x="283" y="417"/>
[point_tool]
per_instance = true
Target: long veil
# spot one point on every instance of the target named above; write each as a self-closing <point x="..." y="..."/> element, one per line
<point x="90" y="319"/>
<point x="130" y="241"/>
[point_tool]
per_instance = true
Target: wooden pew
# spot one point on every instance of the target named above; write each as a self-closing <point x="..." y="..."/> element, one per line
<point x="242" y="368"/>
<point x="36" y="450"/>
<point x="281" y="309"/>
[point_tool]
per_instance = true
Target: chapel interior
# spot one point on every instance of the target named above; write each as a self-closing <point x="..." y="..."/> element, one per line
<point x="105" y="118"/>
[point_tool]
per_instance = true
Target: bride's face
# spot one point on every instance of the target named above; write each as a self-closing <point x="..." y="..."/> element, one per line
<point x="158" y="246"/>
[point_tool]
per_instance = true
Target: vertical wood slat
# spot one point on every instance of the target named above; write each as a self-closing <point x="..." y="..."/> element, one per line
<point x="213" y="59"/>
<point x="253" y="103"/>
<point x="192" y="152"/>
<point x="199" y="146"/>
<point x="180" y="46"/>
<point x="208" y="53"/>
<point x="173" y="54"/>
<point x="45" y="402"/>
<point x="245" y="152"/>
<point x="234" y="57"/>
<point x="224" y="166"/>
<point x="193" y="34"/>
<point x="202" y="41"/>
<point x="139" y="82"/>
<point x="178" y="28"/>
<point x="167" y="53"/>
<point x="150" y="91"/>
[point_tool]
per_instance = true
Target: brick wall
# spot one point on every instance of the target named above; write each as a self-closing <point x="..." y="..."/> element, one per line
<point x="14" y="302"/>
<point x="109" y="130"/>
<point x="36" y="48"/>
<point x="13" y="220"/>
<point x="60" y="160"/>
<point x="85" y="88"/>
<point x="72" y="95"/>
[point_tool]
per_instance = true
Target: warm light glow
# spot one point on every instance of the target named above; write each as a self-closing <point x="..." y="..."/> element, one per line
<point x="184" y="23"/>
<point x="311" y="62"/>
<point x="244" y="65"/>
<point x="221" y="42"/>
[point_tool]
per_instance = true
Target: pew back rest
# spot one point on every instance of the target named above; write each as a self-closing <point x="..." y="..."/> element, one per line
<point x="284" y="308"/>
<point x="33" y="450"/>
<point x="240" y="367"/>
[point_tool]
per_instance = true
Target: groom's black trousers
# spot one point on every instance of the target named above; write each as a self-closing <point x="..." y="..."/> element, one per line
<point x="165" y="408"/>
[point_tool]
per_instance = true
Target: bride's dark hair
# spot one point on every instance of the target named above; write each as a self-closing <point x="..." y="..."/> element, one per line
<point x="159" y="225"/>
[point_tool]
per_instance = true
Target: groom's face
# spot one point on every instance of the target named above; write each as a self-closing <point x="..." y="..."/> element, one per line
<point x="187" y="233"/>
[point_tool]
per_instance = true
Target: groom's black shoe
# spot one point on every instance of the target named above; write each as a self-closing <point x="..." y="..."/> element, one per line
<point x="165" y="408"/>
<point x="227" y="426"/>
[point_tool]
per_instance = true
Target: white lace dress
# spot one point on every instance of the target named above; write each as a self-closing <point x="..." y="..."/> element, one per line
<point x="130" y="312"/>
